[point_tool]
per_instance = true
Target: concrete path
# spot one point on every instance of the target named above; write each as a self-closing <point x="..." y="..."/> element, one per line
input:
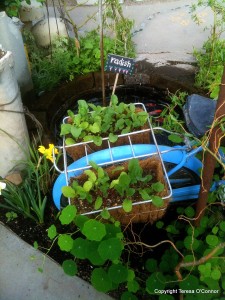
<point x="21" y="280"/>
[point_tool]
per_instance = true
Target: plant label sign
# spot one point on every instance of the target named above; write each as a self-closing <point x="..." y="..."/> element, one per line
<point x="119" y="64"/>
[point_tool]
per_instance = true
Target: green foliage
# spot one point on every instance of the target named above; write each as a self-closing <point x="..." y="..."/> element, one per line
<point x="29" y="198"/>
<point x="105" y="246"/>
<point x="63" y="62"/>
<point x="12" y="7"/>
<point x="98" y="188"/>
<point x="11" y="215"/>
<point x="211" y="58"/>
<point x="92" y="122"/>
<point x="173" y="117"/>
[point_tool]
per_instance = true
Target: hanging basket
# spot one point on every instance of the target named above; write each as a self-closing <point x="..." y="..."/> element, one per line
<point x="142" y="211"/>
<point x="140" y="136"/>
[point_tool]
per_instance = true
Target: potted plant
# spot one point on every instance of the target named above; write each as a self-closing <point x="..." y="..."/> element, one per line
<point x="129" y="192"/>
<point x="97" y="127"/>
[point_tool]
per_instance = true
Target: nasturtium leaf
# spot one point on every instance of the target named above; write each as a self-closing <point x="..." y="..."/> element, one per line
<point x="127" y="205"/>
<point x="189" y="212"/>
<point x="205" y="269"/>
<point x="191" y="243"/>
<point x="93" y="255"/>
<point x="80" y="220"/>
<point x="157" y="201"/>
<point x="98" y="203"/>
<point x="130" y="275"/>
<point x="110" y="249"/>
<point x="87" y="186"/>
<point x="157" y="187"/>
<point x="105" y="214"/>
<point x="133" y="286"/>
<point x="70" y="267"/>
<point x="159" y="224"/>
<point x="112" y="231"/>
<point x="113" y="137"/>
<point x="151" y="265"/>
<point x="216" y="274"/>
<point x="68" y="192"/>
<point x="75" y="131"/>
<point x="68" y="214"/>
<point x="94" y="230"/>
<point x="212" y="240"/>
<point x="215" y="229"/>
<point x="69" y="141"/>
<point x="65" y="242"/>
<point x="100" y="280"/>
<point x="128" y="296"/>
<point x="191" y="282"/>
<point x="222" y="226"/>
<point x="79" y="248"/>
<point x="155" y="281"/>
<point x="175" y="138"/>
<point x="118" y="273"/>
<point x="52" y="232"/>
<point x="172" y="229"/>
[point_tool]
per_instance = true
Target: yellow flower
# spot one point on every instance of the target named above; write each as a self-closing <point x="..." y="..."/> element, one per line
<point x="47" y="152"/>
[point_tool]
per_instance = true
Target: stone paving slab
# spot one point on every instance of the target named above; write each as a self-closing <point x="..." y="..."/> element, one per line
<point x="21" y="280"/>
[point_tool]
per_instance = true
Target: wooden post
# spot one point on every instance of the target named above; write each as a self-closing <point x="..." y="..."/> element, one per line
<point x="209" y="160"/>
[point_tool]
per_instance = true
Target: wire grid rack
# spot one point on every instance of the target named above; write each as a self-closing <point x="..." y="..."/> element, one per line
<point x="70" y="171"/>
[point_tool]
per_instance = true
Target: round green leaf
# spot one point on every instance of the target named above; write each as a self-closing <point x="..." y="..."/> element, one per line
<point x="212" y="240"/>
<point x="70" y="267"/>
<point x="189" y="212"/>
<point x="222" y="226"/>
<point x="189" y="283"/>
<point x="93" y="255"/>
<point x="110" y="249"/>
<point x="100" y="280"/>
<point x="52" y="232"/>
<point x="216" y="274"/>
<point x="159" y="224"/>
<point x="157" y="187"/>
<point x="128" y="296"/>
<point x="105" y="214"/>
<point x="155" y="281"/>
<point x="68" y="214"/>
<point x="133" y="286"/>
<point x="118" y="273"/>
<point x="94" y="230"/>
<point x="127" y="205"/>
<point x="79" y="248"/>
<point x="151" y="265"/>
<point x="191" y="243"/>
<point x="65" y="242"/>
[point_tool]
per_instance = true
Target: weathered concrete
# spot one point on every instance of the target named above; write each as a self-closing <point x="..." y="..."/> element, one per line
<point x="21" y="280"/>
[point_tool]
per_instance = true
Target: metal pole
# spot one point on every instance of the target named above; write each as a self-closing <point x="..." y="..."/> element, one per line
<point x="209" y="160"/>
